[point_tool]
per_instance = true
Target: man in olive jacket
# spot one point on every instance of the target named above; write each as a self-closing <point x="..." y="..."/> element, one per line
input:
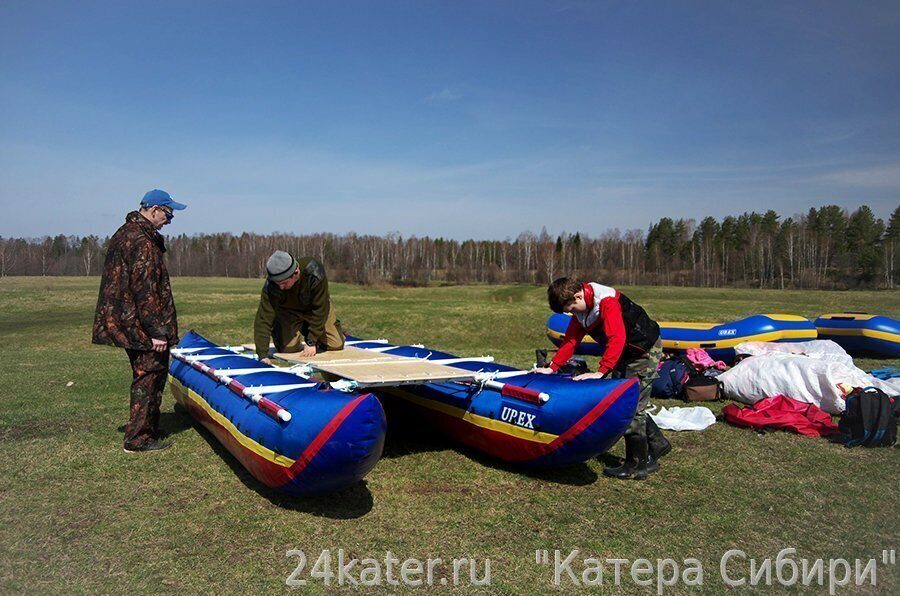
<point x="135" y="311"/>
<point x="295" y="309"/>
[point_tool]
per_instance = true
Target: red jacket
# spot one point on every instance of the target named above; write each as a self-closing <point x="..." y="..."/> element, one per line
<point x="611" y="319"/>
<point x="782" y="413"/>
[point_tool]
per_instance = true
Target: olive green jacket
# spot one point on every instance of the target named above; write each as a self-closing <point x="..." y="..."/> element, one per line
<point x="307" y="300"/>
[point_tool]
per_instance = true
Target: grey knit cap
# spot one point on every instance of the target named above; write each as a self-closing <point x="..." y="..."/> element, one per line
<point x="280" y="266"/>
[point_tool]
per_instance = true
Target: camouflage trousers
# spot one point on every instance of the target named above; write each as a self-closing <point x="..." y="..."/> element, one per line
<point x="149" y="371"/>
<point x="644" y="368"/>
<point x="290" y="330"/>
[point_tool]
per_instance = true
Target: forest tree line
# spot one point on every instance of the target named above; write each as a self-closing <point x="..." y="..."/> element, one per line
<point x="826" y="248"/>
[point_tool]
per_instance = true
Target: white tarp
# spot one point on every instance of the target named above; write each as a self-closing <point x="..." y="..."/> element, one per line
<point x="821" y="349"/>
<point x="691" y="418"/>
<point x="895" y="383"/>
<point x="808" y="379"/>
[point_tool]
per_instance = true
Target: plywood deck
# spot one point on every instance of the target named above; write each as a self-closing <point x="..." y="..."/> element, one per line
<point x="378" y="368"/>
<point x="347" y="355"/>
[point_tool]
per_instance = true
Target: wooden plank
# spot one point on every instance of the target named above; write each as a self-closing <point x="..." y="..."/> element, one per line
<point x="348" y="354"/>
<point x="370" y="368"/>
<point x="393" y="372"/>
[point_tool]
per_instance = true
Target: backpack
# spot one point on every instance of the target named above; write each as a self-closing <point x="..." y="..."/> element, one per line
<point x="670" y="382"/>
<point x="870" y="418"/>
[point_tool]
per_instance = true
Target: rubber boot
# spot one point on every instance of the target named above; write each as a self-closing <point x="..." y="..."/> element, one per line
<point x="629" y="466"/>
<point x="645" y="465"/>
<point x="635" y="465"/>
<point x="657" y="442"/>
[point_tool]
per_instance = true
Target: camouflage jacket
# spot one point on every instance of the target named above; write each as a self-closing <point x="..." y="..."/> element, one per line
<point x="135" y="302"/>
<point x="307" y="300"/>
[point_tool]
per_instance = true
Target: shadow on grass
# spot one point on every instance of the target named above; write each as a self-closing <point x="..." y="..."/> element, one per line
<point x="350" y="503"/>
<point x="173" y="423"/>
<point x="170" y="424"/>
<point x="407" y="435"/>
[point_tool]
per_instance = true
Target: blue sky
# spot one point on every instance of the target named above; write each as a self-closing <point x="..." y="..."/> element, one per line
<point x="461" y="119"/>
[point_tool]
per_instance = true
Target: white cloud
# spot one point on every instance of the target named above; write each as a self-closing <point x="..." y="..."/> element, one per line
<point x="882" y="176"/>
<point x="445" y="94"/>
<point x="267" y="188"/>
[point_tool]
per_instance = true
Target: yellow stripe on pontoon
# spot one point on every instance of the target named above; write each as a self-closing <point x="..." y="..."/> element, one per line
<point x="849" y="316"/>
<point x="475" y="419"/>
<point x="722" y="343"/>
<point x="682" y="325"/>
<point x="792" y="318"/>
<point x="182" y="393"/>
<point x="730" y="343"/>
<point x="894" y="337"/>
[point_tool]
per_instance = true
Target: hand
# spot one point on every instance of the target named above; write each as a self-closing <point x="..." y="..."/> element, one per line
<point x="586" y="376"/>
<point x="159" y="345"/>
<point x="544" y="370"/>
<point x="308" y="351"/>
<point x="266" y="361"/>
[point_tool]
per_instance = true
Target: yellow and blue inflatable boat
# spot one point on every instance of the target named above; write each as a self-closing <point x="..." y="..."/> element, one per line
<point x="718" y="339"/>
<point x="292" y="433"/>
<point x="862" y="334"/>
<point x="578" y="421"/>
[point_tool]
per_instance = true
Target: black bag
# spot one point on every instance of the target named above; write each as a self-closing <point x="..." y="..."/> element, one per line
<point x="870" y="419"/>
<point x="575" y="366"/>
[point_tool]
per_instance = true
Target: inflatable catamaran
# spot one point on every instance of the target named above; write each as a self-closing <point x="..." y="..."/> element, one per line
<point x="518" y="416"/>
<point x="292" y="433"/>
<point x="717" y="339"/>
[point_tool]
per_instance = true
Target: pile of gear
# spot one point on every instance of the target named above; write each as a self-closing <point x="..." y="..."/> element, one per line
<point x="796" y="387"/>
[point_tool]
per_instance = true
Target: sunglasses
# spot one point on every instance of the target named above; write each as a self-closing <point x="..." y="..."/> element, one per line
<point x="170" y="215"/>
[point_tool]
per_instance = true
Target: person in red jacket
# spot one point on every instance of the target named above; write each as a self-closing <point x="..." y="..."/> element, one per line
<point x="633" y="349"/>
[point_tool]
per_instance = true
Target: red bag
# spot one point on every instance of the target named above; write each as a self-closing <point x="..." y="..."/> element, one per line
<point x="782" y="413"/>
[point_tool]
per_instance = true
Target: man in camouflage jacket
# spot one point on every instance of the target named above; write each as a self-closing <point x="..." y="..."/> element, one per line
<point x="295" y="309"/>
<point x="135" y="311"/>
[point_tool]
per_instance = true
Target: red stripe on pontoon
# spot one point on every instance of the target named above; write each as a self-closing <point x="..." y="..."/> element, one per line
<point x="310" y="452"/>
<point x="589" y="418"/>
<point x="266" y="471"/>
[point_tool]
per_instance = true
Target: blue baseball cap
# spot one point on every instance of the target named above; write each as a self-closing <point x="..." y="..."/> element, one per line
<point x="160" y="198"/>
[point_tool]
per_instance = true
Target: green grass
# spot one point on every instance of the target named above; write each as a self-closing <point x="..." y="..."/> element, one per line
<point x="79" y="514"/>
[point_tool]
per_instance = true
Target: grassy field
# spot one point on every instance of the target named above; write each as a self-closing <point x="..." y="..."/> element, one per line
<point x="80" y="515"/>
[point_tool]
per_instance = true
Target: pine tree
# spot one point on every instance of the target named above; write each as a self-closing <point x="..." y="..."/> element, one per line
<point x="863" y="244"/>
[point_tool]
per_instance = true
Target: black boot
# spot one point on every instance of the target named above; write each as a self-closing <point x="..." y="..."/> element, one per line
<point x="657" y="442"/>
<point x="635" y="466"/>
<point x="645" y="465"/>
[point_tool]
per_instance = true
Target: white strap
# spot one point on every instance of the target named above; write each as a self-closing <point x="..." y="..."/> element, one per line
<point x="458" y="360"/>
<point x="195" y="350"/>
<point x="244" y="371"/>
<point x="482" y="376"/>
<point x="345" y="385"/>
<point x="186" y="350"/>
<point x="386" y="348"/>
<point x="266" y="389"/>
<point x="205" y="357"/>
